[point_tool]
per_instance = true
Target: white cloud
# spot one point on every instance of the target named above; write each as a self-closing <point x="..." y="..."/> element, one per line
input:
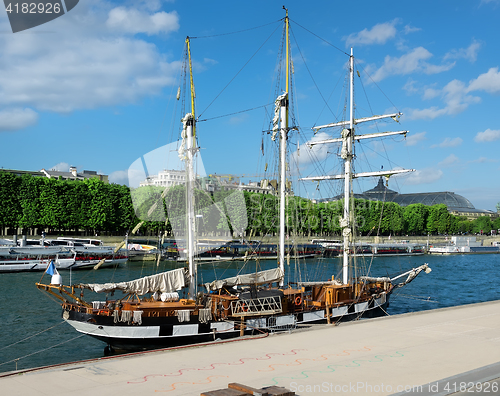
<point x="17" y="118"/>
<point x="452" y="159"/>
<point x="135" y="21"/>
<point x="487" y="136"/>
<point x="489" y="82"/>
<point x="456" y="98"/>
<point x="378" y="34"/>
<point x="424" y="176"/>
<point x="482" y="160"/>
<point x="431" y="93"/>
<point x="309" y="154"/>
<point x="409" y="87"/>
<point x="410" y="29"/>
<point x="82" y="64"/>
<point x="449" y="142"/>
<point x="415" y="138"/>
<point x="488" y="1"/>
<point x="60" y="167"/>
<point x="131" y="177"/>
<point x="435" y="69"/>
<point x="411" y="62"/>
<point x="425" y="114"/>
<point x="121" y="177"/>
<point x="209" y="61"/>
<point x="469" y="53"/>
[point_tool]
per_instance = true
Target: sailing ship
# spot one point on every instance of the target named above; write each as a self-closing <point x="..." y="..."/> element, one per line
<point x="151" y="314"/>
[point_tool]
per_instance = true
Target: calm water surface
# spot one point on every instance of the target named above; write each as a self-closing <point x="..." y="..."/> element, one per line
<point x="27" y="313"/>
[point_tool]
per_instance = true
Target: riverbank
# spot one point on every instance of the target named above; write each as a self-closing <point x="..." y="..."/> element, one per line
<point x="34" y="334"/>
<point x="428" y="353"/>
<point x="486" y="240"/>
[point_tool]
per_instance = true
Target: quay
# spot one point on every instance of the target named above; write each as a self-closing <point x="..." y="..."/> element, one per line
<point x="439" y="352"/>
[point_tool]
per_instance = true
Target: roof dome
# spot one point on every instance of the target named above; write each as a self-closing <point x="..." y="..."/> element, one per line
<point x="450" y="199"/>
<point x="454" y="202"/>
<point x="380" y="192"/>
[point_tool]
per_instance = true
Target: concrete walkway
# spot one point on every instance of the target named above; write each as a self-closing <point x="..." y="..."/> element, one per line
<point x="390" y="355"/>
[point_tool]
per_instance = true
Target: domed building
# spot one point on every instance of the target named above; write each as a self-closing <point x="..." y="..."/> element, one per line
<point x="456" y="204"/>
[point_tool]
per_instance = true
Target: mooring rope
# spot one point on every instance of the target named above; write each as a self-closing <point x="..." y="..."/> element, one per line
<point x="42" y="350"/>
<point x="34" y="335"/>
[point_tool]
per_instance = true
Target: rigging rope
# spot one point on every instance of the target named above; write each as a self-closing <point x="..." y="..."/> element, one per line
<point x="41" y="350"/>
<point x="315" y="35"/>
<point x="239" y="71"/>
<point x="34" y="335"/>
<point x="237" y="112"/>
<point x="312" y="78"/>
<point x="237" y="31"/>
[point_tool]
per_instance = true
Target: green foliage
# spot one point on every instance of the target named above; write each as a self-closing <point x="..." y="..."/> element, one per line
<point x="482" y="225"/>
<point x="496" y="224"/>
<point x="415" y="217"/>
<point x="10" y="207"/>
<point x="56" y="204"/>
<point x="439" y="220"/>
<point x="35" y="202"/>
<point x="29" y="200"/>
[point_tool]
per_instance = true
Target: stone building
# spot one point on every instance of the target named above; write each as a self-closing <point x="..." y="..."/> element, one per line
<point x="73" y="174"/>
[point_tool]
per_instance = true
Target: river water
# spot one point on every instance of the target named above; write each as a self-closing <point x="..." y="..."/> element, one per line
<point x="33" y="333"/>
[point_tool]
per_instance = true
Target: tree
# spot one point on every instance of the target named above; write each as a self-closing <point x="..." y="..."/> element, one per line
<point x="51" y="196"/>
<point x="496" y="224"/>
<point x="230" y="207"/>
<point x="438" y="220"/>
<point x="384" y="218"/>
<point x="29" y="200"/>
<point x="415" y="217"/>
<point x="126" y="216"/>
<point x="10" y="208"/>
<point x="482" y="225"/>
<point x="100" y="204"/>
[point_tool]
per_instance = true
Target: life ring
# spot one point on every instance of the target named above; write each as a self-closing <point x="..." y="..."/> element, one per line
<point x="298" y="300"/>
<point x="244" y="307"/>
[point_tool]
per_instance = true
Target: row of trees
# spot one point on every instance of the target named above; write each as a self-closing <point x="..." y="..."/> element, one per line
<point x="90" y="205"/>
<point x="371" y="218"/>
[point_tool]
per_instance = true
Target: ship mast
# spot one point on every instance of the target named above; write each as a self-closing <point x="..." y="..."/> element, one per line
<point x="347" y="135"/>
<point x="283" y="137"/>
<point x="347" y="154"/>
<point x="191" y="149"/>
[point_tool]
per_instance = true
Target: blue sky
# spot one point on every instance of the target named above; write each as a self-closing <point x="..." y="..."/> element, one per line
<point x="96" y="88"/>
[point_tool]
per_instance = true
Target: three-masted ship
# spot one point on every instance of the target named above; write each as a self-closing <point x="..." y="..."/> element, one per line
<point x="151" y="314"/>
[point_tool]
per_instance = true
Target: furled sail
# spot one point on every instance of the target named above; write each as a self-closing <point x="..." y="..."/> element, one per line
<point x="269" y="276"/>
<point x="412" y="274"/>
<point x="166" y="282"/>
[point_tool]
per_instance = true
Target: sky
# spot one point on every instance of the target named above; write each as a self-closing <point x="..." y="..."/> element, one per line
<point x="96" y="87"/>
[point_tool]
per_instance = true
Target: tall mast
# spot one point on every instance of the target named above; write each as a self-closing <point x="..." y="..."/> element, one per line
<point x="283" y="138"/>
<point x="193" y="95"/>
<point x="190" y="124"/>
<point x="347" y="142"/>
<point x="347" y="138"/>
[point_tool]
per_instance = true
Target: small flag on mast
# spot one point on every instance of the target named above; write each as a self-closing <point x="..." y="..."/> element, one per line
<point x="51" y="269"/>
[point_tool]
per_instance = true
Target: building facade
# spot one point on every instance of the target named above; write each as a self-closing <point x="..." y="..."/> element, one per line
<point x="165" y="178"/>
<point x="73" y="174"/>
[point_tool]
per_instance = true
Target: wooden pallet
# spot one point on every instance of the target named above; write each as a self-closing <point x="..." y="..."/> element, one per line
<point x="235" y="389"/>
